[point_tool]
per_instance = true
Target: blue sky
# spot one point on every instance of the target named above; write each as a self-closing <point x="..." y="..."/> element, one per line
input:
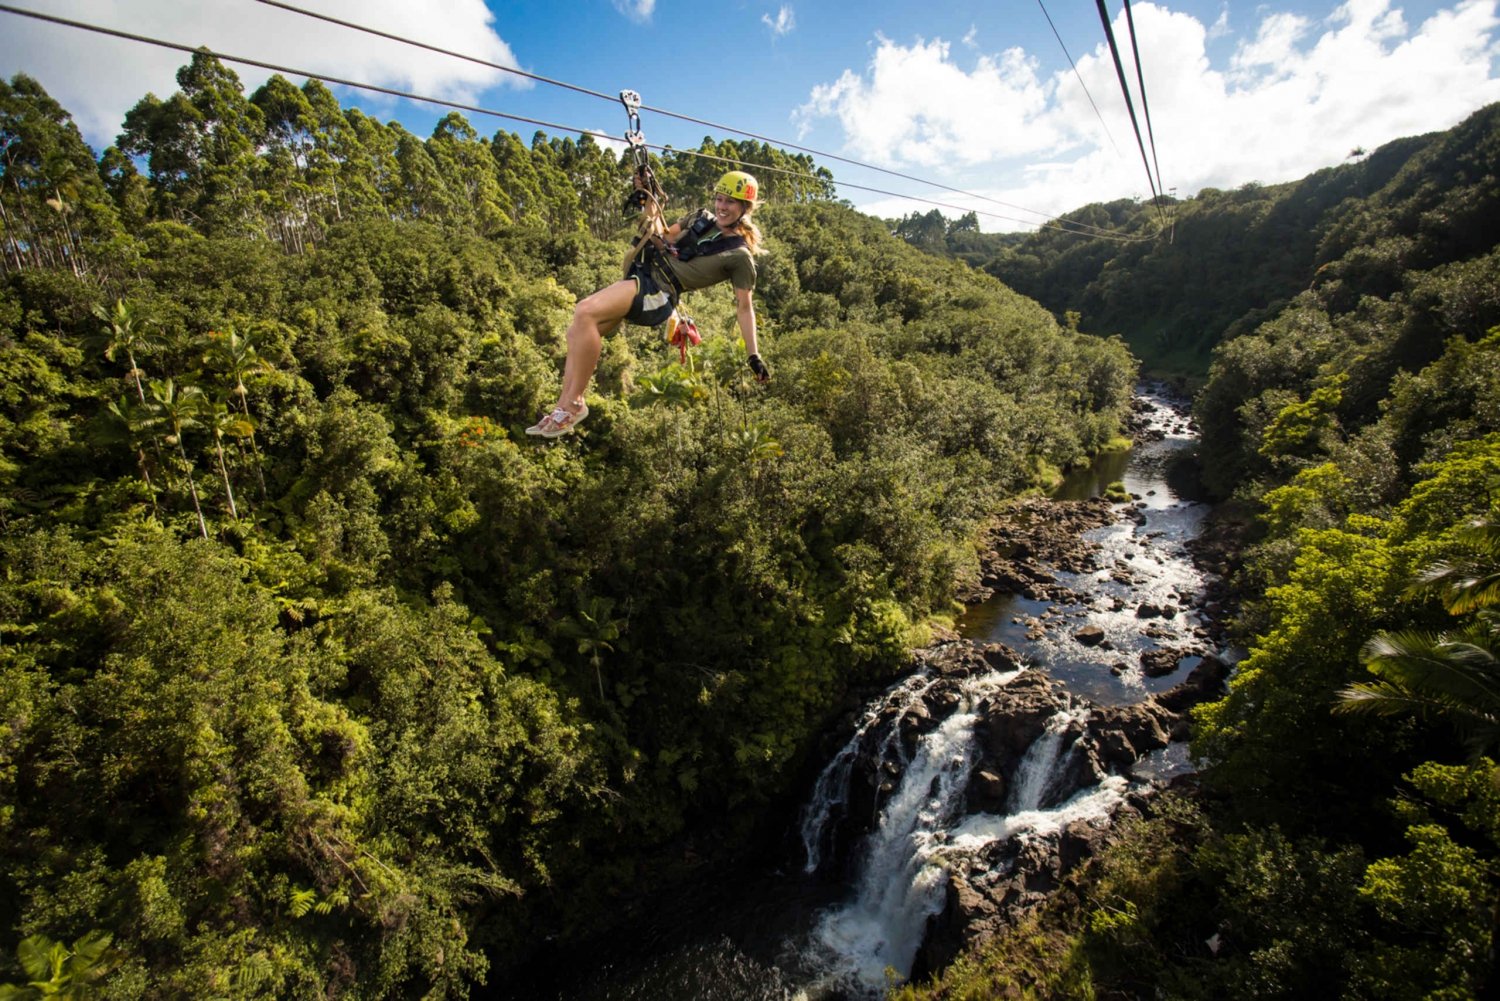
<point x="973" y="95"/>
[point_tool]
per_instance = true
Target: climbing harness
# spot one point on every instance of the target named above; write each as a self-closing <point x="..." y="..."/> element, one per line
<point x="648" y="253"/>
<point x="693" y="245"/>
<point x="646" y="261"/>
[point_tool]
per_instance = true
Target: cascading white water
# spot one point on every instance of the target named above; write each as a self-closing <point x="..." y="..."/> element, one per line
<point x="1040" y="764"/>
<point x="831" y="791"/>
<point x="1095" y="803"/>
<point x="899" y="885"/>
<point x="922" y="832"/>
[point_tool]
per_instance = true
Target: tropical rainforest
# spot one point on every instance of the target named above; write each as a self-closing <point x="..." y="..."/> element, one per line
<point x="318" y="678"/>
<point x="1343" y="335"/>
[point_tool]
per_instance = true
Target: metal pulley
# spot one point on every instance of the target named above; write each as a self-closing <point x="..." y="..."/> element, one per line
<point x="647" y="190"/>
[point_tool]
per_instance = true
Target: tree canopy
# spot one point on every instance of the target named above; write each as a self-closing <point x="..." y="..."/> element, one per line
<point x="317" y="676"/>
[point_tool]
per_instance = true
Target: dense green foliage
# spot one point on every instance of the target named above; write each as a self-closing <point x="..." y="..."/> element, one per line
<point x="317" y="677"/>
<point x="1339" y="853"/>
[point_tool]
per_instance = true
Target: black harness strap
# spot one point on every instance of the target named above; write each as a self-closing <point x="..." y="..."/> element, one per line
<point x="688" y="246"/>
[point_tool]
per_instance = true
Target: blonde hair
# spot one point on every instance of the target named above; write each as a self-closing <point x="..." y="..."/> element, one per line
<point x="746" y="227"/>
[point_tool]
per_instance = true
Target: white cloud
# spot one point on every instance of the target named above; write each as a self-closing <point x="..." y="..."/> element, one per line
<point x="603" y="137"/>
<point x="784" y="21"/>
<point x="636" y="10"/>
<point x="1221" y="26"/>
<point x="1294" y="97"/>
<point x="918" y="106"/>
<point x="99" y="78"/>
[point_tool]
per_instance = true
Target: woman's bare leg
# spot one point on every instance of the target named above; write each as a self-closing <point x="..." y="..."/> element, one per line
<point x="593" y="319"/>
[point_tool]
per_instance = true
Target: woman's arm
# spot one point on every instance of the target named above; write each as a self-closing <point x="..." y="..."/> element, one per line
<point x="744" y="314"/>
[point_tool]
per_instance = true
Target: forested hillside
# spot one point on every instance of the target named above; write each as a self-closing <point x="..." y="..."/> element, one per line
<point x="1211" y="267"/>
<point x="1347" y="839"/>
<point x="319" y="678"/>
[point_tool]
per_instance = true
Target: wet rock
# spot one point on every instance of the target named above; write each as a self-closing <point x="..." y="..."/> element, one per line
<point x="1160" y="662"/>
<point x="1000" y="657"/>
<point x="942" y="702"/>
<point x="1204" y="682"/>
<point x="969" y="918"/>
<point x="1115" y="751"/>
<point x="986" y="792"/>
<point x="1147" y="725"/>
<point x="917" y="721"/>
<point x="1090" y="635"/>
<point x="1012" y="721"/>
<point x="1078" y="842"/>
<point x="1082" y="768"/>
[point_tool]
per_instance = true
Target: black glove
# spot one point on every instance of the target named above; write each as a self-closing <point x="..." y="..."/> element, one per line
<point x="762" y="374"/>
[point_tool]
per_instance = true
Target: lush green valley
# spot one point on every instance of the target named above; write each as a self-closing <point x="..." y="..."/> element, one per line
<point x="1344" y="838"/>
<point x="317" y="677"/>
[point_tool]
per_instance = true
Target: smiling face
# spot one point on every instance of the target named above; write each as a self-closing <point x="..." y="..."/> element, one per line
<point x="728" y="211"/>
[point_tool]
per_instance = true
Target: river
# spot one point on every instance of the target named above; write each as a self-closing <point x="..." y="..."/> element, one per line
<point x="801" y="933"/>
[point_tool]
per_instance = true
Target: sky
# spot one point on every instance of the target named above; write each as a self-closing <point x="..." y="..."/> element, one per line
<point x="957" y="105"/>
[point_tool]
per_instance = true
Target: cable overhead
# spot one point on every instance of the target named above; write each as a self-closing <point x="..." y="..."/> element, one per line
<point x="1140" y="77"/>
<point x="440" y="51"/>
<point x="293" y="71"/>
<point x="611" y="98"/>
<point x="1108" y="135"/>
<point x="1097" y="233"/>
<point x="1083" y="229"/>
<point x="1114" y="50"/>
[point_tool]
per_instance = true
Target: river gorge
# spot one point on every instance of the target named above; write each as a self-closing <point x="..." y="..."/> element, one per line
<point x="958" y="798"/>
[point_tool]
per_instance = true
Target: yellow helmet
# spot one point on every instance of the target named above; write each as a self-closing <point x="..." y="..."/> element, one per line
<point x="737" y="184"/>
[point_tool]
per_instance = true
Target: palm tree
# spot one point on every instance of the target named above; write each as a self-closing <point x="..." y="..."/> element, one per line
<point x="177" y="410"/>
<point x="1452" y="676"/>
<point x="595" y="630"/>
<point x="238" y="357"/>
<point x="222" y="421"/>
<point x="1455" y="675"/>
<point x="131" y="422"/>
<point x="123" y="332"/>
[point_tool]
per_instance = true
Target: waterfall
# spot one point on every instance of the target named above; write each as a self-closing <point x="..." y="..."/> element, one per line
<point x="922" y="832"/>
<point x="897" y="890"/>
<point x="1035" y="773"/>
<point x="831" y="792"/>
<point x="900" y="885"/>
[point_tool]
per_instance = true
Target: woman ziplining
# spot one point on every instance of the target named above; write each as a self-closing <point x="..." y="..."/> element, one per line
<point x="697" y="251"/>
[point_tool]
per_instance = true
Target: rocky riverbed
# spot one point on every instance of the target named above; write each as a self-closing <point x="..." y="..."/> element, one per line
<point x="1036" y="775"/>
<point x="964" y="795"/>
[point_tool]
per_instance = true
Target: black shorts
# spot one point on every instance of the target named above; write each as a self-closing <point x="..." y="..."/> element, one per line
<point x="652" y="304"/>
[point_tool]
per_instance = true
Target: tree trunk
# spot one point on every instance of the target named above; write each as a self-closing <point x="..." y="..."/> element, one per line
<point x="224" y="472"/>
<point x="140" y="458"/>
<point x="192" y="487"/>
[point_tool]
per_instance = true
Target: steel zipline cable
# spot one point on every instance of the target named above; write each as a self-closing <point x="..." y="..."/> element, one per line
<point x="1140" y="77"/>
<point x="555" y="126"/>
<point x="1079" y="75"/>
<point x="1114" y="50"/>
<point x="666" y="113"/>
